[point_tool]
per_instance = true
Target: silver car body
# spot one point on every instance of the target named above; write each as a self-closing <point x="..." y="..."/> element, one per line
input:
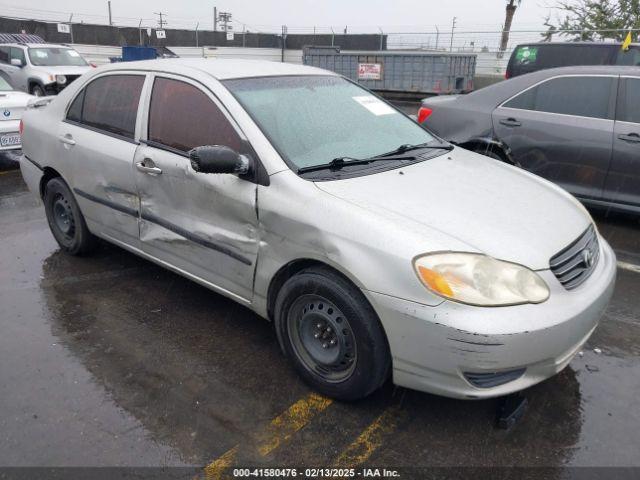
<point x="367" y="228"/>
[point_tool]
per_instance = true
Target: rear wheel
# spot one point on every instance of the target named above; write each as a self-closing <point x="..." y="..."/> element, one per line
<point x="332" y="334"/>
<point x="65" y="219"/>
<point x="37" y="90"/>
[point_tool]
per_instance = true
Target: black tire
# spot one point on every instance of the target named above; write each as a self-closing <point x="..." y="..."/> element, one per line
<point x="317" y="296"/>
<point x="37" y="90"/>
<point x="65" y="219"/>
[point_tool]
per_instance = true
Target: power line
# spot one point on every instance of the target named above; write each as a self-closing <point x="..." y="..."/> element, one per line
<point x="161" y="22"/>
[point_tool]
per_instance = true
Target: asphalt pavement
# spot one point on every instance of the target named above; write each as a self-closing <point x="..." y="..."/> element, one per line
<point x="110" y="360"/>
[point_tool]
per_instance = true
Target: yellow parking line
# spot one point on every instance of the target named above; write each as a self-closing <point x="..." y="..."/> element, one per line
<point x="369" y="440"/>
<point x="215" y="469"/>
<point x="276" y="433"/>
<point x="285" y="425"/>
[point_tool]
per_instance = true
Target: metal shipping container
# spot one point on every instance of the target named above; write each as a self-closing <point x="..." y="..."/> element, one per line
<point x="399" y="70"/>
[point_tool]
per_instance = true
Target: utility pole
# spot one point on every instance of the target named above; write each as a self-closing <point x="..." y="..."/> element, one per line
<point x="437" y="36"/>
<point x="453" y="27"/>
<point x="109" y="7"/>
<point x="215" y="19"/>
<point x="225" y="18"/>
<point x="284" y="41"/>
<point x="71" y="27"/>
<point x="161" y="22"/>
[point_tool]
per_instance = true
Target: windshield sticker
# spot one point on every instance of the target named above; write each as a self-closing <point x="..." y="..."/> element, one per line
<point x="73" y="53"/>
<point x="374" y="105"/>
<point x="526" y="55"/>
<point x="41" y="54"/>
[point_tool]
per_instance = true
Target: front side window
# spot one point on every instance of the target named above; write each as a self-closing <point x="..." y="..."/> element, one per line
<point x="183" y="117"/>
<point x="311" y="120"/>
<point x="630" y="57"/>
<point x="18" y="53"/>
<point x="109" y="103"/>
<point x="629" y="104"/>
<point x="52" y="57"/>
<point x="578" y="96"/>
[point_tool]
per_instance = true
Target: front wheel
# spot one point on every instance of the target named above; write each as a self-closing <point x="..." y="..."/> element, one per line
<point x="65" y="219"/>
<point x="332" y="334"/>
<point x="38" y="91"/>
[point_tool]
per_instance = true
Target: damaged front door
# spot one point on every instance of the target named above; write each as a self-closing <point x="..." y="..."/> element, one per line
<point x="203" y="224"/>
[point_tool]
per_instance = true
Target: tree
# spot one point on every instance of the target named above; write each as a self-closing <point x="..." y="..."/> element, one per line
<point x="590" y="20"/>
<point x="508" y="20"/>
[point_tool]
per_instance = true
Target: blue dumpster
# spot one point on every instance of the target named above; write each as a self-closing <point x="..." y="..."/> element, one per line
<point x="132" y="53"/>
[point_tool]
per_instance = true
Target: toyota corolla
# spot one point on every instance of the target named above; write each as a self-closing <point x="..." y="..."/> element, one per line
<point x="376" y="249"/>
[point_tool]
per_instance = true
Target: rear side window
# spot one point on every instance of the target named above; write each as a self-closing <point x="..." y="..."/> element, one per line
<point x="629" y="58"/>
<point x="182" y="117"/>
<point x="578" y="96"/>
<point x="109" y="103"/>
<point x="4" y="54"/>
<point x="629" y="102"/>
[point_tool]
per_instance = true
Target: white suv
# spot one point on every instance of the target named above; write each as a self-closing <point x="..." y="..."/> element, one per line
<point x="40" y="68"/>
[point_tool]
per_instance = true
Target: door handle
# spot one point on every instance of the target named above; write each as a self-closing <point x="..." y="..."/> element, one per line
<point x="67" y="139"/>
<point x="631" y="137"/>
<point x="510" y="122"/>
<point x="150" y="170"/>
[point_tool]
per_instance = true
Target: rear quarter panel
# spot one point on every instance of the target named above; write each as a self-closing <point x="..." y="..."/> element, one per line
<point x="458" y="120"/>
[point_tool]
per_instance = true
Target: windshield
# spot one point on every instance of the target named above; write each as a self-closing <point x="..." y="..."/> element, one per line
<point x="4" y="85"/>
<point x="312" y="120"/>
<point x="51" y="57"/>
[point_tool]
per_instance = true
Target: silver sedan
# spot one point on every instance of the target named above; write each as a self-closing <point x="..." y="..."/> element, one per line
<point x="375" y="248"/>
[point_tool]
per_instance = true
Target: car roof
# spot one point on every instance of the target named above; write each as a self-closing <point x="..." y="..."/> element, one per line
<point x="498" y="92"/>
<point x="588" y="70"/>
<point x="596" y="44"/>
<point x="221" y="69"/>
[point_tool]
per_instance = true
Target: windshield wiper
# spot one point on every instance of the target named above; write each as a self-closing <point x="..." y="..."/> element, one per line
<point x="338" y="163"/>
<point x="407" y="147"/>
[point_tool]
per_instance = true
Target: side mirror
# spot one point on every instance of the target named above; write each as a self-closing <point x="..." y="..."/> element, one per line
<point x="218" y="159"/>
<point x="16" y="62"/>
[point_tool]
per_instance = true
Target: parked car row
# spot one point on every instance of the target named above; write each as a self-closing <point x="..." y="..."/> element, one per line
<point x="377" y="249"/>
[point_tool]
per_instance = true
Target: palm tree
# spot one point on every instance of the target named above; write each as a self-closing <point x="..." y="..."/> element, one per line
<point x="512" y="5"/>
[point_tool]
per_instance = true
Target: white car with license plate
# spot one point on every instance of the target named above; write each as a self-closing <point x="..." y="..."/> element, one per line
<point x="12" y="106"/>
<point x="378" y="250"/>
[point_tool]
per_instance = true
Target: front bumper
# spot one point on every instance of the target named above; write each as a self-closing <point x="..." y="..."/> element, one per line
<point x="432" y="347"/>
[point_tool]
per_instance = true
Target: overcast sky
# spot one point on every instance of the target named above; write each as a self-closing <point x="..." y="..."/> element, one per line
<point x="263" y="14"/>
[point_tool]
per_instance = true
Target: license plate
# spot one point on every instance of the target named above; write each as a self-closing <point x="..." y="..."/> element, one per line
<point x="10" y="140"/>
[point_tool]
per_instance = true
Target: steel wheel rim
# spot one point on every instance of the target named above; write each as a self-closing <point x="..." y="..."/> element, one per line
<point x="322" y="338"/>
<point x="63" y="217"/>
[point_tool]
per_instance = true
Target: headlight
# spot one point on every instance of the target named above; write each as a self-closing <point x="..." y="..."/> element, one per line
<point x="61" y="79"/>
<point x="480" y="280"/>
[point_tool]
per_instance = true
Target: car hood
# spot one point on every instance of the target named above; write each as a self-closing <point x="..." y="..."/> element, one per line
<point x="485" y="205"/>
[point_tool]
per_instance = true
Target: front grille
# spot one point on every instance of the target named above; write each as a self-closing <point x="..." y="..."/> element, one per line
<point x="574" y="264"/>
<point x="71" y="78"/>
<point x="55" y="88"/>
<point x="493" y="379"/>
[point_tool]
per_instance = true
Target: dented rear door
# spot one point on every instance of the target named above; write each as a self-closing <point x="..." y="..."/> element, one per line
<point x="202" y="224"/>
<point x="562" y="130"/>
